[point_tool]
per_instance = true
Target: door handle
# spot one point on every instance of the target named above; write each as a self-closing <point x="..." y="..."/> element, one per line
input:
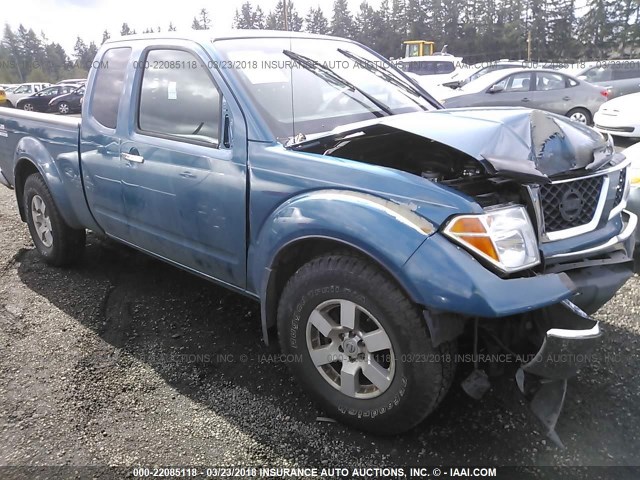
<point x="130" y="157"/>
<point x="187" y="174"/>
<point x="525" y="99"/>
<point x="566" y="99"/>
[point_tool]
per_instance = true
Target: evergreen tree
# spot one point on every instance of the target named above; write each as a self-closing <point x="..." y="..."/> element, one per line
<point x="342" y="21"/>
<point x="248" y="18"/>
<point x="364" y="25"/>
<point x="276" y="19"/>
<point x="125" y="30"/>
<point x="203" y="20"/>
<point x="105" y="36"/>
<point x="171" y="28"/>
<point x="316" y="22"/>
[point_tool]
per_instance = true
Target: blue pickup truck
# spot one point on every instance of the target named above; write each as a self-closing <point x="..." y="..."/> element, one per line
<point x="375" y="228"/>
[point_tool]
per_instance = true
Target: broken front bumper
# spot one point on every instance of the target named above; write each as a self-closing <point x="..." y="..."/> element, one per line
<point x="567" y="345"/>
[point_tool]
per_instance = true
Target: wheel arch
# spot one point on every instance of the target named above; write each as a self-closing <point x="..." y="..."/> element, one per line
<point x="297" y="253"/>
<point x="24" y="168"/>
<point x="59" y="165"/>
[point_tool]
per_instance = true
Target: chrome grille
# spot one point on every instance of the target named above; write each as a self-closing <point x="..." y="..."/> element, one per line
<point x="570" y="204"/>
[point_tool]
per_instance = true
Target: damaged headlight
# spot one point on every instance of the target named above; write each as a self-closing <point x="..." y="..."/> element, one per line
<point x="503" y="236"/>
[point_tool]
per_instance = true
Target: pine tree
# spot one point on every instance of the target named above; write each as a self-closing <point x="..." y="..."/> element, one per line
<point x="248" y="18"/>
<point x="125" y="30"/>
<point x="171" y="28"/>
<point x="364" y="25"/>
<point x="316" y="22"/>
<point x="204" y="21"/>
<point x="276" y="19"/>
<point x="105" y="36"/>
<point x="342" y="21"/>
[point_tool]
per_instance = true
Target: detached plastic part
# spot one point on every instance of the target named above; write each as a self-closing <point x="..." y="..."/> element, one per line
<point x="543" y="380"/>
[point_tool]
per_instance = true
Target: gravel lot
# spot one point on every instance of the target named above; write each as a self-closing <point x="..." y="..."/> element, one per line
<point x="123" y="360"/>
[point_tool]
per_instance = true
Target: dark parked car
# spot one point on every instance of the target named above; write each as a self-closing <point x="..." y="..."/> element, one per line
<point x="544" y="89"/>
<point x="68" y="103"/>
<point x="39" y="102"/>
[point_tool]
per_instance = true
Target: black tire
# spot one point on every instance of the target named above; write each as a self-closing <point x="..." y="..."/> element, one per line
<point x="423" y="374"/>
<point x="63" y="108"/>
<point x="582" y="112"/>
<point x="66" y="244"/>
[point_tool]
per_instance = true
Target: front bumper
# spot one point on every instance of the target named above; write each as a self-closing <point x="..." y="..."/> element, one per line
<point x="571" y="335"/>
<point x="620" y="130"/>
<point x="599" y="271"/>
<point x="633" y="203"/>
<point x="445" y="277"/>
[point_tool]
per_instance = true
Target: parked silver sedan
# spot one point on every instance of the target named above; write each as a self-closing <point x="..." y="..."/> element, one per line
<point x="533" y="88"/>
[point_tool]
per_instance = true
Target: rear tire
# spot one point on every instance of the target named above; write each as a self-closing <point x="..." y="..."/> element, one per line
<point x="56" y="242"/>
<point x="580" y="115"/>
<point x="28" y="107"/>
<point x="372" y="364"/>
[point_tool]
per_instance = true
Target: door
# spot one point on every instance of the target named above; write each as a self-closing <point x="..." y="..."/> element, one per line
<point x="184" y="185"/>
<point x="511" y="91"/>
<point x="100" y="143"/>
<point x="551" y="93"/>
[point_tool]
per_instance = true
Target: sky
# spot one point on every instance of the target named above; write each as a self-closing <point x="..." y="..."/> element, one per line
<point x="64" y="20"/>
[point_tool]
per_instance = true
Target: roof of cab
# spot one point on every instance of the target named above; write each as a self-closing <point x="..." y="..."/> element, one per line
<point x="213" y="35"/>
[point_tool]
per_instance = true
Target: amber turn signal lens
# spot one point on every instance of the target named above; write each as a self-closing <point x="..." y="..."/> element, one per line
<point x="483" y="244"/>
<point x="467" y="225"/>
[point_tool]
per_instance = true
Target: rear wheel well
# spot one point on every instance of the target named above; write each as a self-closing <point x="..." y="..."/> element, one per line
<point x="23" y="169"/>
<point x="294" y="256"/>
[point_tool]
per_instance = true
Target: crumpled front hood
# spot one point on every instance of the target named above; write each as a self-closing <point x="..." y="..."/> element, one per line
<point x="514" y="142"/>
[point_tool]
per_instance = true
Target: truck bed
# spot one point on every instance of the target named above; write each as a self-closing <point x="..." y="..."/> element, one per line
<point x="58" y="135"/>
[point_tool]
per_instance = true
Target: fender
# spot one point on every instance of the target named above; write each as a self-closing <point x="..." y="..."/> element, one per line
<point x="62" y="176"/>
<point x="387" y="231"/>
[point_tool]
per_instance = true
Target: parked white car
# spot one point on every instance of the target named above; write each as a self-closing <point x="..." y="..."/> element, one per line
<point x="432" y="69"/>
<point x="620" y="116"/>
<point x="23" y="91"/>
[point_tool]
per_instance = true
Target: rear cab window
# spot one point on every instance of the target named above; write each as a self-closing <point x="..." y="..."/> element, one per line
<point x="108" y="86"/>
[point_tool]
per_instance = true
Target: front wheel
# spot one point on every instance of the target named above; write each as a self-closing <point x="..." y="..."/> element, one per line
<point x="27" y="107"/>
<point x="360" y="346"/>
<point x="56" y="242"/>
<point x="580" y="115"/>
<point x="63" y="108"/>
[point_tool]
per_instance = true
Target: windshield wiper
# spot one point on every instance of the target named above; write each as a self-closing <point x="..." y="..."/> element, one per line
<point x="328" y="74"/>
<point x="374" y="68"/>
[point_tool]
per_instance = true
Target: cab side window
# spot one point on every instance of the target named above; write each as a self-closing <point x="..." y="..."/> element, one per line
<point x="178" y="97"/>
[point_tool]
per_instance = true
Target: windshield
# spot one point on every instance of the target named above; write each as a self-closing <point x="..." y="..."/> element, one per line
<point x="309" y="86"/>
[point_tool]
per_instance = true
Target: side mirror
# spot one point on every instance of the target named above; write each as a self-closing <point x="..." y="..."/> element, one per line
<point x="496" y="88"/>
<point x="454" y="84"/>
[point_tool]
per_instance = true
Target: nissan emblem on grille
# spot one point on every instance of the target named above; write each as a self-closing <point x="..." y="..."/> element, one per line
<point x="571" y="204"/>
